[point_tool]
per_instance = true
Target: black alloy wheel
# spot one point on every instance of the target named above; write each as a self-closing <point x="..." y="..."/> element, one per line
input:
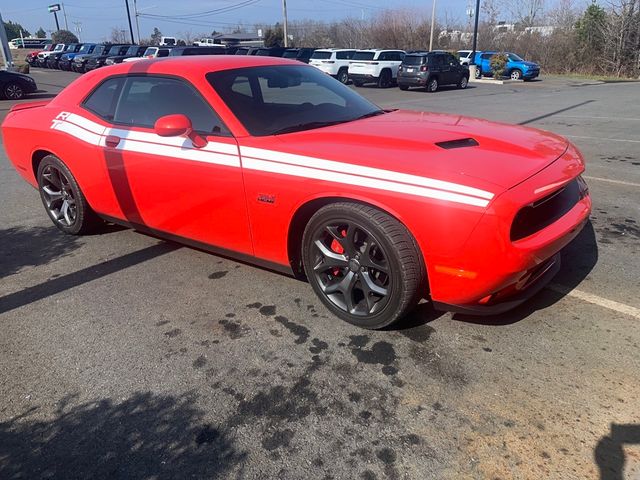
<point x="13" y="91"/>
<point x="363" y="264"/>
<point x="384" y="81"/>
<point x="62" y="198"/>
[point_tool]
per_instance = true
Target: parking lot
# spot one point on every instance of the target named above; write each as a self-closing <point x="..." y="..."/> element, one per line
<point x="125" y="356"/>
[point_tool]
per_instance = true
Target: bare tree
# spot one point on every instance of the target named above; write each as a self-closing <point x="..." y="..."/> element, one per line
<point x="118" y="35"/>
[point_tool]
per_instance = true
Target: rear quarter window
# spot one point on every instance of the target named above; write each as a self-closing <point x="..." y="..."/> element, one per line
<point x="102" y="101"/>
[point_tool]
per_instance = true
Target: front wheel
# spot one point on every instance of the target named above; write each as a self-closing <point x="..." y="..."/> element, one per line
<point x="516" y="75"/>
<point x="13" y="91"/>
<point x="363" y="264"/>
<point x="62" y="198"/>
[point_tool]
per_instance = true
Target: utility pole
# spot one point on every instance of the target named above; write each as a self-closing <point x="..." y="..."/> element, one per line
<point x="4" y="47"/>
<point x="137" y="15"/>
<point x="126" y="2"/>
<point x="78" y="30"/>
<point x="55" y="15"/>
<point x="475" y="34"/>
<point x="284" y="14"/>
<point x="433" y="24"/>
<point x="64" y="12"/>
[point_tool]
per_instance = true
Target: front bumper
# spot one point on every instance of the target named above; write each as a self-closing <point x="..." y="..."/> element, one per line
<point x="492" y="272"/>
<point x="530" y="74"/>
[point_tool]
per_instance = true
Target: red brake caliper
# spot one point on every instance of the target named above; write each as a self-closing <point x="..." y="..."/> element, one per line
<point x="336" y="247"/>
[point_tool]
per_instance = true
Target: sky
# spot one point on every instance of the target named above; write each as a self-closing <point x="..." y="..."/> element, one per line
<point x="96" y="19"/>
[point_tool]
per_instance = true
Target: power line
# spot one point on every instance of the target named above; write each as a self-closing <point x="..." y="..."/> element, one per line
<point x="228" y="8"/>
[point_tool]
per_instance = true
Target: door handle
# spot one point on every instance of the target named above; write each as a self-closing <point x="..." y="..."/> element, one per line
<point x="112" y="141"/>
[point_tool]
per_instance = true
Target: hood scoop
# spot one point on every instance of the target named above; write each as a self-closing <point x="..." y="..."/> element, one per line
<point x="461" y="143"/>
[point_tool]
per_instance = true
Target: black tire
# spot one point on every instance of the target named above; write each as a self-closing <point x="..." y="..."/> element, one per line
<point x="515" y="74"/>
<point x="403" y="87"/>
<point x="384" y="80"/>
<point x="478" y="72"/>
<point x="13" y="91"/>
<point x="463" y="82"/>
<point x="343" y="76"/>
<point x="432" y="85"/>
<point x="57" y="185"/>
<point x="358" y="83"/>
<point x="363" y="264"/>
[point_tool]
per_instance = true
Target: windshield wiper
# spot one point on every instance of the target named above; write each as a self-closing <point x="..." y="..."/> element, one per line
<point x="375" y="113"/>
<point x="306" y="126"/>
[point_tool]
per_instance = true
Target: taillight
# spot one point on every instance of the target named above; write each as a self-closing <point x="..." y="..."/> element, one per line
<point x="424" y="68"/>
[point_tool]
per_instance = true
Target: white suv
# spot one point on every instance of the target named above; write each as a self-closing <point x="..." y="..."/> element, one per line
<point x="333" y="61"/>
<point x="375" y="66"/>
<point x="465" y="57"/>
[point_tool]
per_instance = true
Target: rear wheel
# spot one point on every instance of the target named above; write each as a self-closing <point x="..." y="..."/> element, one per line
<point x="384" y="80"/>
<point x="343" y="76"/>
<point x="363" y="264"/>
<point x="463" y="82"/>
<point x="62" y="198"/>
<point x="432" y="86"/>
<point x="13" y="91"/>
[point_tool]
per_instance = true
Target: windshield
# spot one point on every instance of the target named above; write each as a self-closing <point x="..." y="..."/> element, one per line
<point x="287" y="98"/>
<point x="413" y="60"/>
<point x="515" y="58"/>
<point x="364" y="56"/>
<point x="59" y="47"/>
<point x="321" y="55"/>
<point x="150" y="51"/>
<point x="85" y="49"/>
<point x="114" y="50"/>
<point x="132" y="50"/>
<point x="290" y="54"/>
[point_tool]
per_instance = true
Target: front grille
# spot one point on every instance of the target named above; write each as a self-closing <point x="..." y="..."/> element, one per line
<point x="542" y="213"/>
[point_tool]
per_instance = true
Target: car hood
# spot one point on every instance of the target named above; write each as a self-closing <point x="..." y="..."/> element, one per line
<point x="416" y="143"/>
<point x="530" y="64"/>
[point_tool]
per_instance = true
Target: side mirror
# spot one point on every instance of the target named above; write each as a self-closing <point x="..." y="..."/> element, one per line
<point x="178" y="125"/>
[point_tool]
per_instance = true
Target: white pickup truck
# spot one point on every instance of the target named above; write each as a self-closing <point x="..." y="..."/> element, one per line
<point x="375" y="66"/>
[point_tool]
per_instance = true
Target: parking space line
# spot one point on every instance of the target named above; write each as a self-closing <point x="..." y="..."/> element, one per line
<point x="600" y="118"/>
<point x="605" y="138"/>
<point x="617" y="182"/>
<point x="597" y="300"/>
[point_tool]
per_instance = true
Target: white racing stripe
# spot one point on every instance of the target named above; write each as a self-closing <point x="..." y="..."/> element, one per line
<point x="271" y="161"/>
<point x="300" y="160"/>
<point x="597" y="300"/>
<point x="608" y="180"/>
<point x="306" y="172"/>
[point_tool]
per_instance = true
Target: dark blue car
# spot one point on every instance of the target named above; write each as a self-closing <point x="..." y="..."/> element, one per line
<point x="516" y="68"/>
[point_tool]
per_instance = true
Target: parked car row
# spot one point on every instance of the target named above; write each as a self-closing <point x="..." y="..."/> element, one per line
<point x="381" y="67"/>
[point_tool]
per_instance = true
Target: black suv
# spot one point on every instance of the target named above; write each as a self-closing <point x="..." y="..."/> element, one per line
<point x="181" y="51"/>
<point x="97" y="61"/>
<point x="430" y="70"/>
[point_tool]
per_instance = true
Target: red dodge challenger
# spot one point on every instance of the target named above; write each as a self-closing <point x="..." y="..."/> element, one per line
<point x="275" y="163"/>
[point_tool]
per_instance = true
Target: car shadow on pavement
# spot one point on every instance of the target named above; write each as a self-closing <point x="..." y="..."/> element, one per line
<point x="609" y="452"/>
<point x="32" y="246"/>
<point x="80" y="277"/>
<point x="578" y="259"/>
<point x="143" y="436"/>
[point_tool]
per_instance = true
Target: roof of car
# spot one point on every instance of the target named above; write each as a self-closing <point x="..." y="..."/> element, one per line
<point x="336" y="49"/>
<point x="195" y="64"/>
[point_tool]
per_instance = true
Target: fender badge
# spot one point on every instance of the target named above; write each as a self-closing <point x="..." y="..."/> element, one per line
<point x="265" y="198"/>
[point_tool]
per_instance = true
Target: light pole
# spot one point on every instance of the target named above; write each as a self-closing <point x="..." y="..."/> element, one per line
<point x="284" y="14"/>
<point x="433" y="24"/>
<point x="126" y="2"/>
<point x="135" y="13"/>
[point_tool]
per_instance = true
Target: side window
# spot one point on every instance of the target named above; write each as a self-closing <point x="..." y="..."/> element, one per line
<point x="102" y="101"/>
<point x="163" y="52"/>
<point x="145" y="99"/>
<point x="383" y="57"/>
<point x="438" y="60"/>
<point x="486" y="56"/>
<point x="452" y="60"/>
<point x="342" y="55"/>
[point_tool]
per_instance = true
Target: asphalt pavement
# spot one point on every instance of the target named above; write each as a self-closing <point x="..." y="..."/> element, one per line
<point x="124" y="356"/>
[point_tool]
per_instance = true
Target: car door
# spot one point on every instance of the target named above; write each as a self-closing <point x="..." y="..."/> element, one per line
<point x="166" y="183"/>
<point x="455" y="69"/>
